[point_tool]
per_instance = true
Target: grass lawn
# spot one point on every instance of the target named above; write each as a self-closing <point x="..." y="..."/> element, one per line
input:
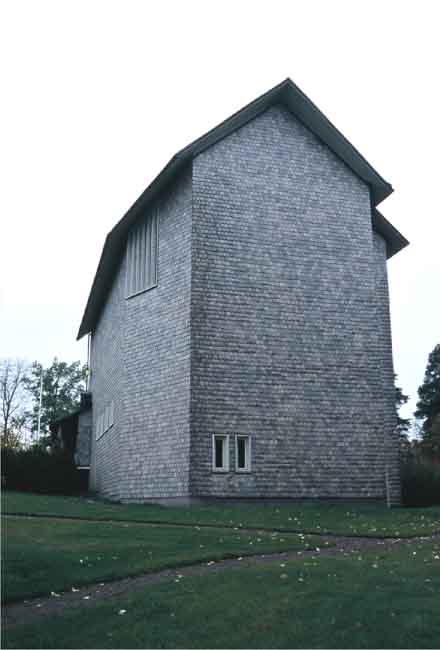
<point x="361" y="601"/>
<point x="44" y="555"/>
<point x="369" y="519"/>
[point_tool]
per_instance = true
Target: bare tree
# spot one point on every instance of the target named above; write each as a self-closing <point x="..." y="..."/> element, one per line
<point x="13" y="373"/>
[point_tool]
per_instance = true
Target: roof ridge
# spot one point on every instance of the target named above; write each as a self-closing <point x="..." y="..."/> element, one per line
<point x="297" y="102"/>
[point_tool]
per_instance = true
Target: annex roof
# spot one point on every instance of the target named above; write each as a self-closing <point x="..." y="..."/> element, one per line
<point x="286" y="94"/>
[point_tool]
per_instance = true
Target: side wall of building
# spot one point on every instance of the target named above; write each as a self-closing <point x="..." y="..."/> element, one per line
<point x="140" y="359"/>
<point x="107" y="363"/>
<point x="157" y="354"/>
<point x="385" y="399"/>
<point x="284" y="307"/>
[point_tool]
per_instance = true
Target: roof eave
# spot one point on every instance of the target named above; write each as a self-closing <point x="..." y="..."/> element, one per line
<point x="395" y="241"/>
<point x="115" y="240"/>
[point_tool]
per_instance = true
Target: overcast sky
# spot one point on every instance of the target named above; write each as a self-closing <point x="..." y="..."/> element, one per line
<point x="97" y="96"/>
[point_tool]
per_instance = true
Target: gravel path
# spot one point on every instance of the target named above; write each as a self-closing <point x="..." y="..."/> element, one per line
<point x="36" y="609"/>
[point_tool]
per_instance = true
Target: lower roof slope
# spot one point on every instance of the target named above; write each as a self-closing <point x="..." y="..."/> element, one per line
<point x="286" y="94"/>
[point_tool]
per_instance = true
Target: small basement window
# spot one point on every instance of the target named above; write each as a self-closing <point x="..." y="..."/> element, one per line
<point x="220" y="453"/>
<point x="242" y="453"/>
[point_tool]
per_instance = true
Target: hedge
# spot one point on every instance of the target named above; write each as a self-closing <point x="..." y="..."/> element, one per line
<point x="420" y="483"/>
<point x="35" y="470"/>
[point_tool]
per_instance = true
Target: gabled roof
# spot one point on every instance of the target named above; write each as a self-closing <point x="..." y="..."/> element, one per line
<point x="286" y="94"/>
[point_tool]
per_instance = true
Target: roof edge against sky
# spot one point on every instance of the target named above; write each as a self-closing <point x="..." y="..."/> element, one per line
<point x="285" y="93"/>
<point x="394" y="239"/>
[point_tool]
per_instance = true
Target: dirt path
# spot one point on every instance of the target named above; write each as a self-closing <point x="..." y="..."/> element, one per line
<point x="36" y="609"/>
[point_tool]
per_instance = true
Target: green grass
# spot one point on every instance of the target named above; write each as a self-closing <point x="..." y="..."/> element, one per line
<point x="369" y="519"/>
<point x="362" y="601"/>
<point x="44" y="555"/>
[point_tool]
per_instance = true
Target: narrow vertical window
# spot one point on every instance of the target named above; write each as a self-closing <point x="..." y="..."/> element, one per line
<point x="243" y="453"/>
<point x="141" y="271"/>
<point x="112" y="414"/>
<point x="106" y="419"/>
<point x="220" y="453"/>
<point x="98" y="427"/>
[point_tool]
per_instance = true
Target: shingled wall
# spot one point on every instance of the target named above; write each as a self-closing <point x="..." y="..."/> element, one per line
<point x="290" y="327"/>
<point x="270" y="319"/>
<point x="141" y="361"/>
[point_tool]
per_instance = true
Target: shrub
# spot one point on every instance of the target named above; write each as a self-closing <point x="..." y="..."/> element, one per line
<point x="420" y="483"/>
<point x="35" y="470"/>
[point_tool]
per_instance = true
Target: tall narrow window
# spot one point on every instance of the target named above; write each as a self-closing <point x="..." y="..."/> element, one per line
<point x="242" y="453"/>
<point x="142" y="256"/>
<point x="220" y="453"/>
<point x="105" y="420"/>
<point x="112" y="414"/>
<point x="99" y="427"/>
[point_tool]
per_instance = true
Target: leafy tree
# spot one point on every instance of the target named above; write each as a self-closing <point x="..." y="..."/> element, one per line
<point x="434" y="438"/>
<point x="428" y="406"/>
<point x="13" y="374"/>
<point x="403" y="424"/>
<point x="62" y="387"/>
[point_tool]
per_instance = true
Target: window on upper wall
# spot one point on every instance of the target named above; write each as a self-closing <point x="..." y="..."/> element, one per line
<point x="99" y="426"/>
<point x="141" y="272"/>
<point x="220" y="453"/>
<point x="105" y="420"/>
<point x="242" y="453"/>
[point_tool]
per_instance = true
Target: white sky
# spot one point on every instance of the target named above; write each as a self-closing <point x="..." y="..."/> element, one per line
<point x="97" y="96"/>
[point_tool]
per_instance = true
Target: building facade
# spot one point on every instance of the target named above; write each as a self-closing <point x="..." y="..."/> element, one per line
<point x="240" y="341"/>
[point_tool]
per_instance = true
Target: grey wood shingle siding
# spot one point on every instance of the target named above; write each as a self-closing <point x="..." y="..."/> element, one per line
<point x="270" y="319"/>
<point x="290" y="326"/>
<point x="140" y="357"/>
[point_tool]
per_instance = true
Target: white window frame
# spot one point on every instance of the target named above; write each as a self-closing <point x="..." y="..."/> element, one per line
<point x="225" y="438"/>
<point x="248" y="455"/>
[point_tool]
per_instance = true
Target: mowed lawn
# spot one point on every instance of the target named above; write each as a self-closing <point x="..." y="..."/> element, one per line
<point x="43" y="555"/>
<point x="364" y="519"/>
<point x="389" y="600"/>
